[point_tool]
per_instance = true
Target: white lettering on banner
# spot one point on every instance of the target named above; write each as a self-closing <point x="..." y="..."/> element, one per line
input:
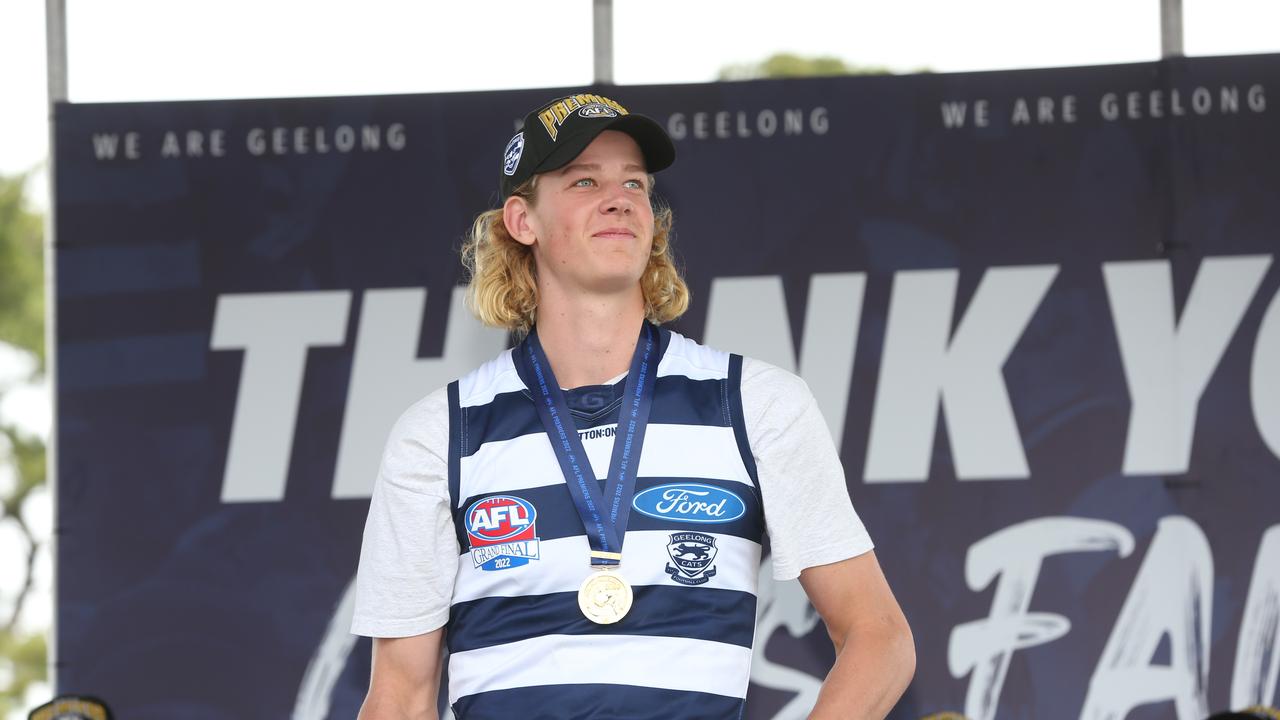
<point x="274" y="330"/>
<point x="1015" y="554"/>
<point x="1257" y="667"/>
<point x="749" y="315"/>
<point x="792" y="122"/>
<point x="1257" y="98"/>
<point x="1132" y="105"/>
<point x="107" y="145"/>
<point x="727" y="125"/>
<point x="1172" y="595"/>
<point x="1159" y="103"/>
<point x="387" y="375"/>
<point x="1021" y="115"/>
<point x="819" y="121"/>
<point x="1044" y="110"/>
<point x="983" y="648"/>
<point x="192" y="144"/>
<point x="767" y="123"/>
<point x="954" y="113"/>
<point x="344" y="138"/>
<point x="104" y="146"/>
<point x="1166" y="364"/>
<point x="919" y="368"/>
<point x="1069" y="108"/>
<point x="169" y="146"/>
<point x="319" y="140"/>
<point x="1264" y="382"/>
<point x="1047" y="112"/>
<point x="722" y="125"/>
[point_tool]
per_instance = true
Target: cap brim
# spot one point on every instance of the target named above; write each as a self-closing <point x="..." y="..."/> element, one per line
<point x="656" y="146"/>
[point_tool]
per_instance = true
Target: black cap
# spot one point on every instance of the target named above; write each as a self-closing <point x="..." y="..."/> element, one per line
<point x="557" y="132"/>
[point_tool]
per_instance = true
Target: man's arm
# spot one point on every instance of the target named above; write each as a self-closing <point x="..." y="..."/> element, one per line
<point x="875" y="653"/>
<point x="405" y="678"/>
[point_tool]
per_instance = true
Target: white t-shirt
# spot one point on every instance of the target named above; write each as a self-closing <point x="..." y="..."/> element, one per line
<point x="410" y="552"/>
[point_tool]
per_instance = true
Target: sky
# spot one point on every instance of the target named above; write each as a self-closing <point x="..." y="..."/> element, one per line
<point x="138" y="50"/>
<point x="127" y="50"/>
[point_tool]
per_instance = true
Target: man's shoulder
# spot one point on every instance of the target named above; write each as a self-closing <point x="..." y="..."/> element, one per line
<point x="757" y="372"/>
<point x="685" y="356"/>
<point x="495" y="376"/>
<point x="765" y="385"/>
<point x="759" y="379"/>
<point x="428" y="413"/>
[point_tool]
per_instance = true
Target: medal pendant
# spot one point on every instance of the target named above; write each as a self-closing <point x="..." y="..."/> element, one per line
<point x="604" y="597"/>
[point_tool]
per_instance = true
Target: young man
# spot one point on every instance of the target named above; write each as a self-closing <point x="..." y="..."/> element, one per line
<point x="580" y="518"/>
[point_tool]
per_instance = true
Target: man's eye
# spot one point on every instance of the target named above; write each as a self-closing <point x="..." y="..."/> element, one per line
<point x="635" y="184"/>
<point x="583" y="182"/>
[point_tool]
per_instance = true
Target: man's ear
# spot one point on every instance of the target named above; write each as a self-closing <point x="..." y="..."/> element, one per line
<point x="515" y="215"/>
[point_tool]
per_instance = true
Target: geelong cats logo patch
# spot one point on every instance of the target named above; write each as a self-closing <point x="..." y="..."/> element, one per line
<point x="691" y="556"/>
<point x="502" y="532"/>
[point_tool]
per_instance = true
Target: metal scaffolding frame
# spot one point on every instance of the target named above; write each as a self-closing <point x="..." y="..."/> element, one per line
<point x="56" y="47"/>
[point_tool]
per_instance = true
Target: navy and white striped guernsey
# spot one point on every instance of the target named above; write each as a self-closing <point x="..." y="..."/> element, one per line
<point x="519" y="646"/>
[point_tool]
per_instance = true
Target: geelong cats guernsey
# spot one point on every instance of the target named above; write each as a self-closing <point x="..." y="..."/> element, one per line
<point x="519" y="646"/>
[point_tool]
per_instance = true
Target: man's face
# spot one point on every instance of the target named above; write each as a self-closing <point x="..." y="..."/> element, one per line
<point x="592" y="223"/>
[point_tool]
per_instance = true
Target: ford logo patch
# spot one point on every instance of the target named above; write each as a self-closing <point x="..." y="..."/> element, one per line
<point x="689" y="502"/>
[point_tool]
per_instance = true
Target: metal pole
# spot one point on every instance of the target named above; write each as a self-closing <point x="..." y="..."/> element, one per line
<point x="55" y="17"/>
<point x="602" y="34"/>
<point x="1171" y="28"/>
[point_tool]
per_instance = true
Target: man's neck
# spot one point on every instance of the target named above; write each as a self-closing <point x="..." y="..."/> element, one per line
<point x="590" y="340"/>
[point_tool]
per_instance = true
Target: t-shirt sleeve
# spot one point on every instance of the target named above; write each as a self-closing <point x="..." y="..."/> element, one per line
<point x="410" y="552"/>
<point x="808" y="513"/>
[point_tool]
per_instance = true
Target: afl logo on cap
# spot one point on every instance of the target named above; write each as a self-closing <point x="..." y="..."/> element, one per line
<point x="597" y="110"/>
<point x="502" y="531"/>
<point x="511" y="157"/>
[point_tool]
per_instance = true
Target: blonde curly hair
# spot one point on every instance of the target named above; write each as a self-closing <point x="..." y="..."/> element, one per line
<point x="503" y="289"/>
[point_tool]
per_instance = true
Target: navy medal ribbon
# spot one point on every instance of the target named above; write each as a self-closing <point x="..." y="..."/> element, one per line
<point x="604" y="514"/>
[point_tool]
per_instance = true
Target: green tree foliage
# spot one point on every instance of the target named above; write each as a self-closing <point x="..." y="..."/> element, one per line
<point x="789" y="65"/>
<point x="27" y="655"/>
<point x="21" y="270"/>
<point x="21" y="325"/>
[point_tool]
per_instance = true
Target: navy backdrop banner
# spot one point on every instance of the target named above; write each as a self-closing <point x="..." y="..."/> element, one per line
<point x="1038" y="309"/>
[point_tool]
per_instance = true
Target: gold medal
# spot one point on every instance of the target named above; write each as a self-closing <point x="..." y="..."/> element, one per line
<point x="604" y="597"/>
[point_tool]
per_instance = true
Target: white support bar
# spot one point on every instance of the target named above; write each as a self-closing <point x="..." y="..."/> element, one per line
<point x="55" y="18"/>
<point x="602" y="34"/>
<point x="56" y="50"/>
<point x="1171" y="28"/>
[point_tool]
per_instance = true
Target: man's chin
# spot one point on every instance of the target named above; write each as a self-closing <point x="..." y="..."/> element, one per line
<point x="618" y="284"/>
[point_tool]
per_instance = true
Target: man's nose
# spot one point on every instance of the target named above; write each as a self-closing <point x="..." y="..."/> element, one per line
<point x="618" y="202"/>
